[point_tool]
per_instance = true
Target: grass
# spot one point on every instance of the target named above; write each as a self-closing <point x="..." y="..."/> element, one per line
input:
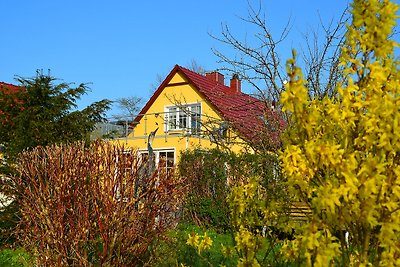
<point x="173" y="251"/>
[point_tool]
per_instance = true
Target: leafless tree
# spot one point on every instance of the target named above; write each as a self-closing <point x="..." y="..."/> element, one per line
<point x="130" y="106"/>
<point x="154" y="86"/>
<point x="195" y="66"/>
<point x="259" y="63"/>
<point x="322" y="60"/>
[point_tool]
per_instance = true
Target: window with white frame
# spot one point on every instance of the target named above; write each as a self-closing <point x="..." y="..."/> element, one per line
<point x="162" y="158"/>
<point x="166" y="159"/>
<point x="184" y="117"/>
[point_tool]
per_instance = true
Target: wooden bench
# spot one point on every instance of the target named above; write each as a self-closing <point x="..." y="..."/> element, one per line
<point x="300" y="211"/>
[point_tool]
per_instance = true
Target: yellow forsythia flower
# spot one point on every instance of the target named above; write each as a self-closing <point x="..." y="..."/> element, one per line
<point x="193" y="240"/>
<point x="342" y="154"/>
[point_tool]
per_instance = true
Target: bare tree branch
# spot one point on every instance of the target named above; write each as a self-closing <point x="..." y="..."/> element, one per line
<point x="130" y="106"/>
<point x="259" y="63"/>
<point x="321" y="61"/>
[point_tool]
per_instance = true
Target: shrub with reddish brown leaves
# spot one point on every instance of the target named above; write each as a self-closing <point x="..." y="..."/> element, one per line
<point x="93" y="205"/>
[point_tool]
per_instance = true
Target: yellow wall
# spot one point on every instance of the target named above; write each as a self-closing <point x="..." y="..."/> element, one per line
<point x="174" y="93"/>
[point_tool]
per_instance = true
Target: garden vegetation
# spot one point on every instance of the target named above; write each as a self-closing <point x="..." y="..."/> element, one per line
<point x="95" y="205"/>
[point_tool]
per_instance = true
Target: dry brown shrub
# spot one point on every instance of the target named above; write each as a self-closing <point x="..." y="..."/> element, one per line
<point x="93" y="205"/>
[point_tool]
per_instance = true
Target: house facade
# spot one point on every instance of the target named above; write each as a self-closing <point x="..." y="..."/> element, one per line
<point x="190" y="110"/>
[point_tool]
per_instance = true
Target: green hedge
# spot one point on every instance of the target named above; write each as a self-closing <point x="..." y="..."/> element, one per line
<point x="210" y="173"/>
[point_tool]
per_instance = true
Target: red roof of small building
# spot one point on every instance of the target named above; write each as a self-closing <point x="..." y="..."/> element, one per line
<point x="242" y="111"/>
<point x="8" y="87"/>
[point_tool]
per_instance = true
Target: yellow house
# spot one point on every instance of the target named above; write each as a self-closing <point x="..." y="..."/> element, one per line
<point x="191" y="110"/>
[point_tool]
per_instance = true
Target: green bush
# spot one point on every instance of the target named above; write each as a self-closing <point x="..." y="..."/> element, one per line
<point x="210" y="174"/>
<point x="206" y="176"/>
<point x="8" y="221"/>
<point x="15" y="258"/>
<point x="9" y="214"/>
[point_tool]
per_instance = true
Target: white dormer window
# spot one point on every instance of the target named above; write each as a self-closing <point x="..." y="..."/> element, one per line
<point x="183" y="117"/>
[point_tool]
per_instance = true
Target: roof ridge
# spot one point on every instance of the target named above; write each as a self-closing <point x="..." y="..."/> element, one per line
<point x="240" y="109"/>
<point x="10" y="87"/>
<point x="204" y="77"/>
<point x="224" y="86"/>
<point x="4" y="83"/>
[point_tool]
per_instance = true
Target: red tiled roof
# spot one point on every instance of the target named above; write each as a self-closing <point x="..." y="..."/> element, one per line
<point x="240" y="110"/>
<point x="9" y="87"/>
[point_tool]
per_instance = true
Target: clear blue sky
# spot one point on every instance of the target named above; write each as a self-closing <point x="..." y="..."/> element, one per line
<point x="121" y="46"/>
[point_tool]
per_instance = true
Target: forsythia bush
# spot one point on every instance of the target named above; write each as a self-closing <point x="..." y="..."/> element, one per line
<point x="256" y="219"/>
<point x="342" y="154"/>
<point x="258" y="223"/>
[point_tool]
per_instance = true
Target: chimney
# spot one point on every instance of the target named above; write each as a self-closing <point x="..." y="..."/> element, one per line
<point x="216" y="77"/>
<point x="236" y="85"/>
